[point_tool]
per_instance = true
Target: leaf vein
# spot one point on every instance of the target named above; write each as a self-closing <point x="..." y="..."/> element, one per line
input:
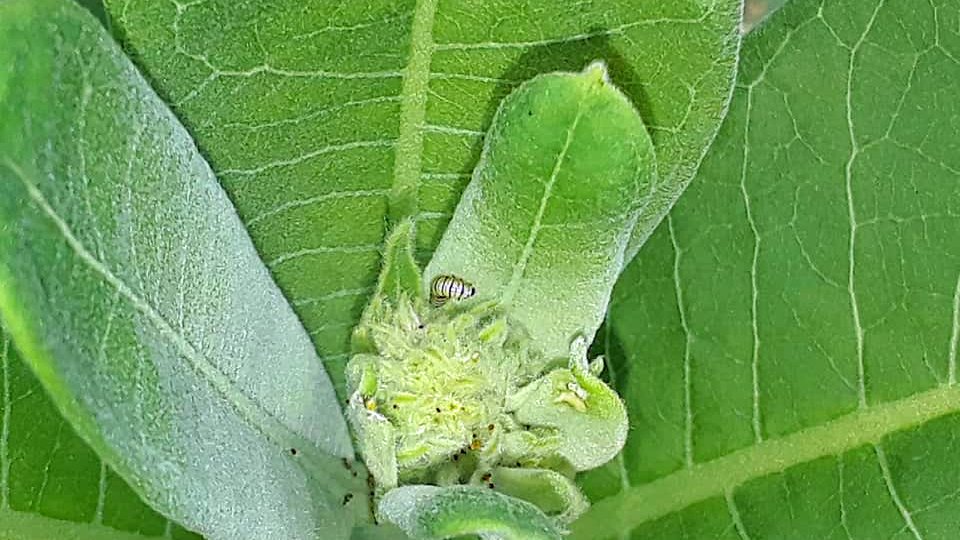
<point x="687" y="342"/>
<point x="954" y="337"/>
<point x="5" y="424"/>
<point x="851" y="211"/>
<point x="520" y="267"/>
<point x="330" y="149"/>
<point x="332" y="196"/>
<point x="678" y="490"/>
<point x="452" y="46"/>
<point x="892" y="490"/>
<point x="735" y="516"/>
<point x="413" y="110"/>
<point x="322" y="250"/>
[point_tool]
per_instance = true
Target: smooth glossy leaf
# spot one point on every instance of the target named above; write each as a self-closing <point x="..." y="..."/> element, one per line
<point x="788" y="339"/>
<point x="52" y="485"/>
<point x="133" y="291"/>
<point x="316" y="117"/>
<point x="567" y="170"/>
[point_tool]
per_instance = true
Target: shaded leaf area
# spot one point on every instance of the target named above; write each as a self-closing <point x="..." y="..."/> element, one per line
<point x="132" y="290"/>
<point x="801" y="301"/>
<point x="95" y="7"/>
<point x="50" y="480"/>
<point x="319" y="120"/>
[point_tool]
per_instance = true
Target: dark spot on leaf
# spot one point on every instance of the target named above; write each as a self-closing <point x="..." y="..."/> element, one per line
<point x="438" y="409"/>
<point x="490" y="486"/>
<point x="293" y="451"/>
<point x="347" y="498"/>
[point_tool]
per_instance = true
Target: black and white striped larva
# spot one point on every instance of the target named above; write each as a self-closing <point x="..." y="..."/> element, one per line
<point x="447" y="287"/>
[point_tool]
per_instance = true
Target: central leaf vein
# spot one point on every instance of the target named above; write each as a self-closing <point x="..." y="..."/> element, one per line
<point x="527" y="252"/>
<point x="413" y="110"/>
<point x="676" y="491"/>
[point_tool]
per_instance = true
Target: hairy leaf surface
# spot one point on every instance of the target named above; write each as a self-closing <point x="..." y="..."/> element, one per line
<point x="131" y="288"/>
<point x="566" y="171"/>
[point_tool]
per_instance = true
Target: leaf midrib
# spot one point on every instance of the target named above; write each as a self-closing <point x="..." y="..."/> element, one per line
<point x="521" y="265"/>
<point x="641" y="504"/>
<point x="413" y="109"/>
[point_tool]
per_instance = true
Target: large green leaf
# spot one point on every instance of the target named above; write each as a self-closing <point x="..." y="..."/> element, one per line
<point x="318" y="116"/>
<point x="788" y="338"/>
<point x="52" y="485"/>
<point x="132" y="289"/>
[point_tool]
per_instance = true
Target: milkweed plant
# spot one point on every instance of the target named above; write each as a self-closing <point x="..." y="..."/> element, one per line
<point x="137" y="288"/>
<point x="337" y="270"/>
<point x="472" y="396"/>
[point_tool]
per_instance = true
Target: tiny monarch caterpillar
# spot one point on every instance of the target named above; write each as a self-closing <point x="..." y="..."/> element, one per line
<point x="446" y="287"/>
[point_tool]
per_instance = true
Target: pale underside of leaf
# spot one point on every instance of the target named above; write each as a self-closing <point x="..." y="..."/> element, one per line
<point x="133" y="291"/>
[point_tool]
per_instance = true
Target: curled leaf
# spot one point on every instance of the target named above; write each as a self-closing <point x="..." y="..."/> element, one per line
<point x="432" y="513"/>
<point x="553" y="493"/>
<point x="543" y="226"/>
<point x="590" y="419"/>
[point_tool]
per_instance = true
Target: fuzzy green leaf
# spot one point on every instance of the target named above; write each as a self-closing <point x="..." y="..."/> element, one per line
<point x="787" y="341"/>
<point x="551" y="491"/>
<point x="133" y="291"/>
<point x="399" y="275"/>
<point x="543" y="227"/>
<point x="434" y="513"/>
<point x="589" y="416"/>
<point x="318" y="118"/>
